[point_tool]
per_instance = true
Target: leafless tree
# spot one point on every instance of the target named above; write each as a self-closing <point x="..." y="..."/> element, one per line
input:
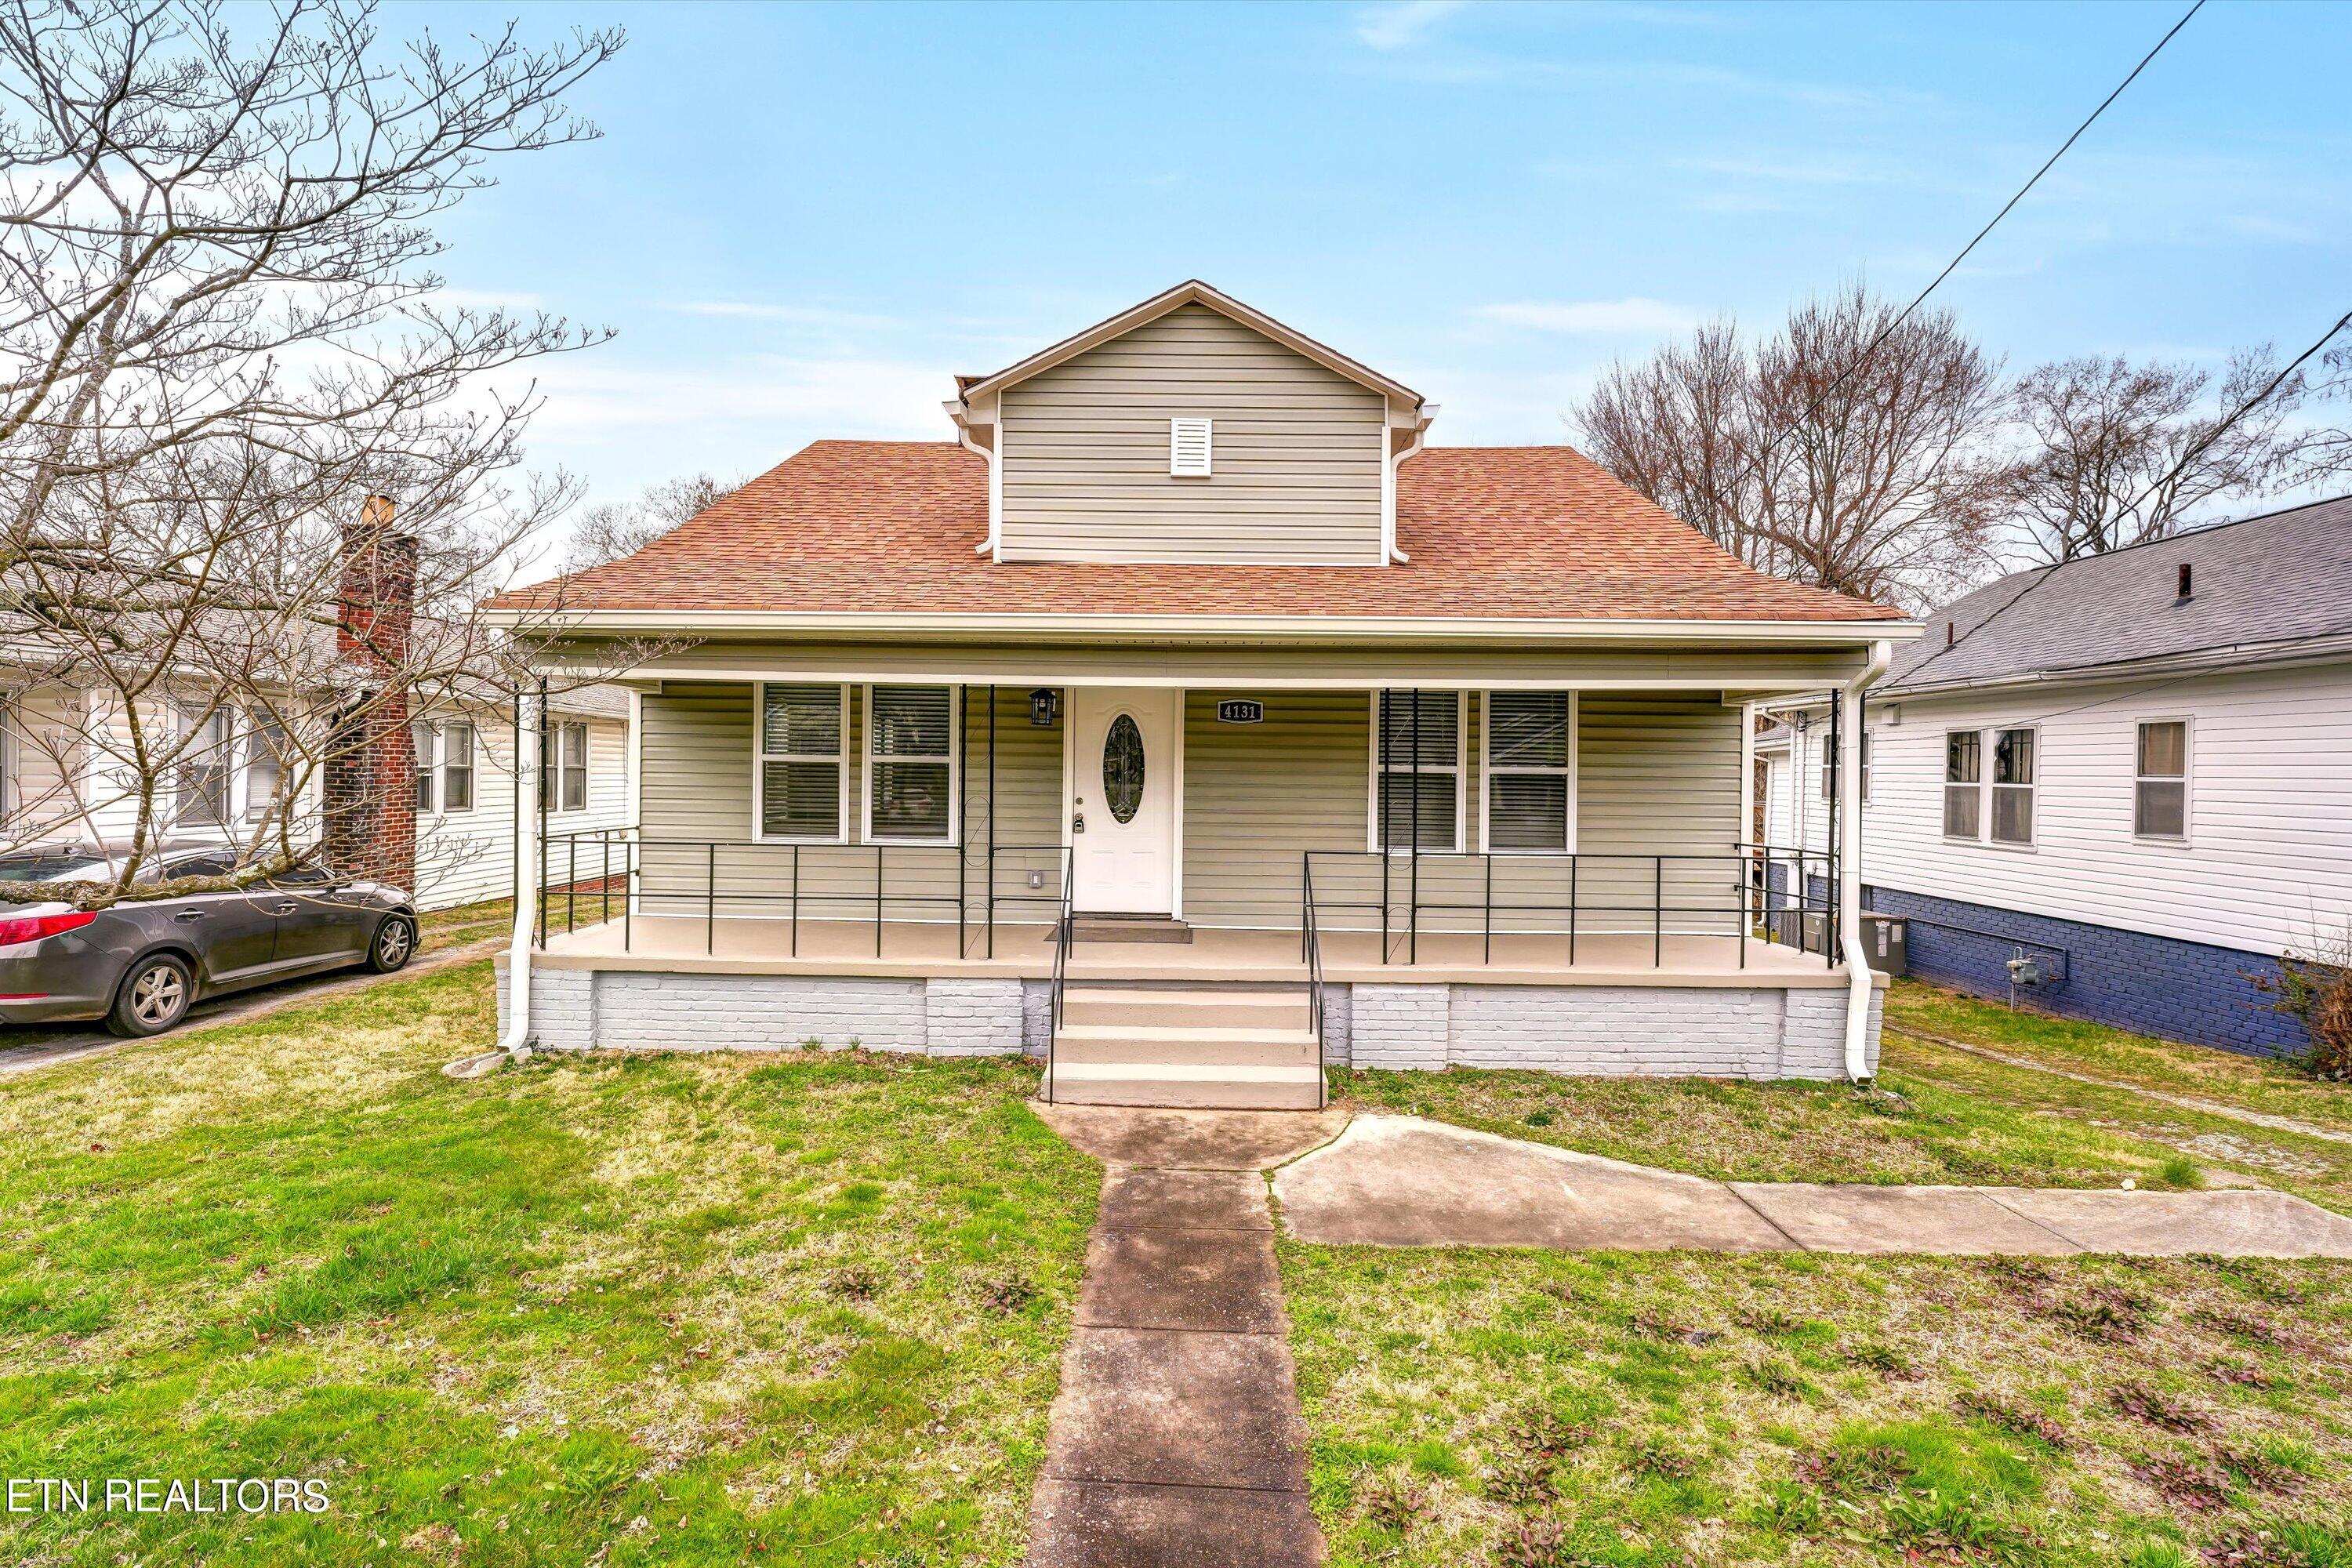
<point x="618" y="529"/>
<point x="1851" y="450"/>
<point x="2118" y="453"/>
<point x="219" y="334"/>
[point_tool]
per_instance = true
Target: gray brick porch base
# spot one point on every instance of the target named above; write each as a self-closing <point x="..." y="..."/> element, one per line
<point x="1756" y="1032"/>
<point x="618" y="1009"/>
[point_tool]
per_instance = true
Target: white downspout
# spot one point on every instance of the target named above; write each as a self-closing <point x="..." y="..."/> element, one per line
<point x="516" y="1041"/>
<point x="989" y="546"/>
<point x="1859" y="978"/>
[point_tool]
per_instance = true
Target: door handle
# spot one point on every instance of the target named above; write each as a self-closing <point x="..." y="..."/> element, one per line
<point x="1078" y="823"/>
<point x="191" y="914"/>
<point x="284" y="909"/>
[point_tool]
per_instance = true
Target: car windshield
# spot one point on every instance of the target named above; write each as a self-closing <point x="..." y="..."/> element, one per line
<point x="52" y="868"/>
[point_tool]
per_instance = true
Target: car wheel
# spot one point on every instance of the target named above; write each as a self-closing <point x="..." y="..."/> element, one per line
<point x="153" y="996"/>
<point x="394" y="944"/>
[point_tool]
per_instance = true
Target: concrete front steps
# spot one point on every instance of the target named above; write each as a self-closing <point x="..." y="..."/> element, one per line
<point x="1207" y="1047"/>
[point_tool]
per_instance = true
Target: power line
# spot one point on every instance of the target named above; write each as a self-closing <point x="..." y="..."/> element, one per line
<point x="1859" y="360"/>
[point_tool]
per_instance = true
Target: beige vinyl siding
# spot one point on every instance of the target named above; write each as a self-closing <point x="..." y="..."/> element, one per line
<point x="1255" y="796"/>
<point x="462" y="857"/>
<point x="1297" y="452"/>
<point x="696" y="788"/>
<point x="1658" y="773"/>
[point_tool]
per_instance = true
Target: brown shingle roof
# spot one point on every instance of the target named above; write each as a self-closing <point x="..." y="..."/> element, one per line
<point x="882" y="527"/>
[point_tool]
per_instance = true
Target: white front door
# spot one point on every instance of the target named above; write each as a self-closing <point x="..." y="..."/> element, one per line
<point x="1124" y="779"/>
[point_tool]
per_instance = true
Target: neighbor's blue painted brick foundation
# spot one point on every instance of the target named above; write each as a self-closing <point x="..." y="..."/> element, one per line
<point x="2151" y="985"/>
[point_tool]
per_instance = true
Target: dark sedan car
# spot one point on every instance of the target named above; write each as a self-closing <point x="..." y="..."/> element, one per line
<point x="141" y="965"/>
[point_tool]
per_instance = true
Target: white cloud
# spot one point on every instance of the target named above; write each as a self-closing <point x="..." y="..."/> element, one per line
<point x="849" y="397"/>
<point x="1406" y="22"/>
<point x="1627" y="317"/>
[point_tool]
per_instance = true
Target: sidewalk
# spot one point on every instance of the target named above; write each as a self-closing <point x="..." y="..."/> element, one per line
<point x="1398" y="1181"/>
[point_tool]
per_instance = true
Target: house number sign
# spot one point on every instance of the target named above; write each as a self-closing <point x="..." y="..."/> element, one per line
<point x="1241" y="711"/>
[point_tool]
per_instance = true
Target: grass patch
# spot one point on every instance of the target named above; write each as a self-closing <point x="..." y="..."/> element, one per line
<point x="583" y="1312"/>
<point x="1935" y="1410"/>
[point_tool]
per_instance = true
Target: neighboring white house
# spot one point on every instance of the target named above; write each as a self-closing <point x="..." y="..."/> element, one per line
<point x="58" y="763"/>
<point x="2133" y="771"/>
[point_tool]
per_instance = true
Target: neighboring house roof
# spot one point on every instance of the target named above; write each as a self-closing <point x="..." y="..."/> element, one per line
<point x="2264" y="586"/>
<point x="1190" y="292"/>
<point x="884" y="526"/>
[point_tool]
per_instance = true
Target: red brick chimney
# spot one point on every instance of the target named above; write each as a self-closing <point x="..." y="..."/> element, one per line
<point x="370" y="778"/>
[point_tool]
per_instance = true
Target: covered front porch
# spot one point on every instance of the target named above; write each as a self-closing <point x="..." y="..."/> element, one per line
<point x="1493" y="857"/>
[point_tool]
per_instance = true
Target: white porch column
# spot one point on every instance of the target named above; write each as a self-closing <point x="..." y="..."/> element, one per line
<point x="1849" y="889"/>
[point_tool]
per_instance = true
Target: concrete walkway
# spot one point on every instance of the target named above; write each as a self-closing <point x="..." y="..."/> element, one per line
<point x="1398" y="1181"/>
<point x="1176" y="1438"/>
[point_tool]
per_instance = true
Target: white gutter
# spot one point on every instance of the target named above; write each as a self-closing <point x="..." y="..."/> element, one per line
<point x="1859" y="979"/>
<point x="988" y="546"/>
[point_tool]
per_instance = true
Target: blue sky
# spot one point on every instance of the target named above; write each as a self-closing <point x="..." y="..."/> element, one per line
<point x="801" y="221"/>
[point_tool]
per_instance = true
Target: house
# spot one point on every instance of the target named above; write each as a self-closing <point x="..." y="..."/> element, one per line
<point x="437" y="814"/>
<point x="1189" y="720"/>
<point x="2129" y="774"/>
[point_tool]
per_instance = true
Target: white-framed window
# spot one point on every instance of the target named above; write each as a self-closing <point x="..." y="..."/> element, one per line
<point x="1188" y="449"/>
<point x="802" y="777"/>
<point x="1828" y="770"/>
<point x="911" y="764"/>
<point x="1963" y="784"/>
<point x="266" y="748"/>
<point x="1419" y="744"/>
<point x="563" y="773"/>
<point x="1527" y="757"/>
<point x="2160" y="780"/>
<point x="422" y="740"/>
<point x="457" y="765"/>
<point x="2013" y="766"/>
<point x="201" y="790"/>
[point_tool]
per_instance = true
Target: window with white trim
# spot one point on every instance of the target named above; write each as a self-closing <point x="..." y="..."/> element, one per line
<point x="1963" y="784"/>
<point x="266" y="748"/>
<point x="2160" y="780"/>
<point x="911" y="764"/>
<point x="202" y="788"/>
<point x="563" y="773"/>
<point x="1417" y="772"/>
<point x="1188" y="449"/>
<point x="804" y="767"/>
<point x="458" y="766"/>
<point x="1530" y="771"/>
<point x="2013" y="786"/>
<point x="423" y="743"/>
<point x="1830" y="768"/>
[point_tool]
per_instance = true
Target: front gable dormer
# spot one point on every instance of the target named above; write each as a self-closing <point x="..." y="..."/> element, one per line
<point x="1191" y="429"/>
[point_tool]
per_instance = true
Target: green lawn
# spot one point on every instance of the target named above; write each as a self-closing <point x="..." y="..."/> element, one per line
<point x="1533" y="1409"/>
<point x="1674" y="1409"/>
<point x="801" y="1310"/>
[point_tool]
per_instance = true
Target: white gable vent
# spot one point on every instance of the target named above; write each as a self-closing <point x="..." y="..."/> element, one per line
<point x="1188" y="449"/>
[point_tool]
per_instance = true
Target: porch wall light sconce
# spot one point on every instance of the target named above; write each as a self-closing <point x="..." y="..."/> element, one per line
<point x="1045" y="707"/>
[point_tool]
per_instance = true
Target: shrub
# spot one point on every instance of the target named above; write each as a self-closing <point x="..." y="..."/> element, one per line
<point x="2315" y="988"/>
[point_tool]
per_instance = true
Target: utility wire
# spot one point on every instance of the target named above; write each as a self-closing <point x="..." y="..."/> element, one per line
<point x="1859" y="360"/>
<point x="2196" y="449"/>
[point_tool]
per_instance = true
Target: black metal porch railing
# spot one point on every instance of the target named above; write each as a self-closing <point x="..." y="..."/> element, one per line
<point x="1752" y="906"/>
<point x="1310" y="948"/>
<point x="606" y="871"/>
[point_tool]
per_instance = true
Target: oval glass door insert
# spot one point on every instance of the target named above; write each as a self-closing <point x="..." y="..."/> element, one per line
<point x="1122" y="769"/>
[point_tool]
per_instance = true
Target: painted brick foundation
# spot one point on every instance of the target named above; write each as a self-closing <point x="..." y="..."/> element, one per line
<point x="1760" y="1032"/>
<point x="2151" y="985"/>
<point x="616" y="1009"/>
